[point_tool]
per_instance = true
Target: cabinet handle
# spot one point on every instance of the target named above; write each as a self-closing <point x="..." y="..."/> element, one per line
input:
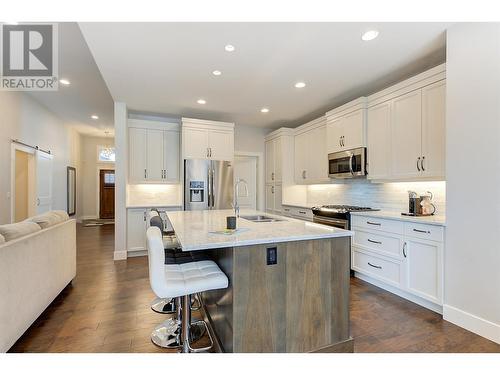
<point x="286" y="209"/>
<point x="422" y="231"/>
<point x="343" y="141"/>
<point x="422" y="163"/>
<point x="303" y="212"/>
<point x="340" y="141"/>
<point x="304" y="174"/>
<point x="144" y="214"/>
<point x="418" y="160"/>
<point x="374" y="266"/>
<point x="272" y="189"/>
<point x="272" y="176"/>
<point x="404" y="249"/>
<point x="372" y="223"/>
<point x="165" y="174"/>
<point x="208" y="153"/>
<point x="145" y="173"/>
<point x="372" y="241"/>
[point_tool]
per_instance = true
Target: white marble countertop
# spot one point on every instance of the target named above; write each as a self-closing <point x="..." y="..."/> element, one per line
<point x="306" y="206"/>
<point x="153" y="205"/>
<point x="391" y="215"/>
<point x="193" y="230"/>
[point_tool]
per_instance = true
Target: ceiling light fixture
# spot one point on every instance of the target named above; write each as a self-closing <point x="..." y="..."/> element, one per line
<point x="264" y="110"/>
<point x="229" y="48"/>
<point x="300" y="85"/>
<point x="369" y="35"/>
<point x="216" y="72"/>
<point x="201" y="101"/>
<point x="94" y="117"/>
<point x="64" y="82"/>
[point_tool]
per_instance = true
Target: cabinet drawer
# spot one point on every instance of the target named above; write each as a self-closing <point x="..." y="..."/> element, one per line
<point x="377" y="267"/>
<point x="424" y="231"/>
<point x="287" y="211"/>
<point x="372" y="223"/>
<point x="302" y="213"/>
<point x="379" y="243"/>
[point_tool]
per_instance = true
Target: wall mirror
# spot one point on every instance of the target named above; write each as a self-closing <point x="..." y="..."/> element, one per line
<point x="71" y="191"/>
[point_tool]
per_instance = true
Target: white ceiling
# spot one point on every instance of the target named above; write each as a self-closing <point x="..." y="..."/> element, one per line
<point x="87" y="94"/>
<point x="166" y="67"/>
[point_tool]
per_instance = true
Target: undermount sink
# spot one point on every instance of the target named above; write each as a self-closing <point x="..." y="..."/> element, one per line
<point x="260" y="218"/>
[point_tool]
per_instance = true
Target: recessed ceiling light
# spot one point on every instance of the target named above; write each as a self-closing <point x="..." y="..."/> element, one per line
<point x="216" y="72"/>
<point x="369" y="35"/>
<point x="300" y="85"/>
<point x="264" y="110"/>
<point x="229" y="48"/>
<point x="65" y="82"/>
<point x="94" y="117"/>
<point x="201" y="101"/>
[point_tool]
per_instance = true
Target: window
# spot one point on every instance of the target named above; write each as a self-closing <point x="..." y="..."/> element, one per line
<point x="106" y="154"/>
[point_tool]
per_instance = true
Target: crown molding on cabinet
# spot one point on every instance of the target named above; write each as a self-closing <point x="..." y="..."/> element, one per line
<point x="186" y="121"/>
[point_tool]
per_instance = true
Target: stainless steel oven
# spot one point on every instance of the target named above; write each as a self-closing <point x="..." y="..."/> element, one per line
<point x="347" y="164"/>
<point x="338" y="223"/>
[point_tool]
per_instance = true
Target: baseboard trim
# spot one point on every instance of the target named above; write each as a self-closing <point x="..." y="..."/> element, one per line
<point x="137" y="253"/>
<point x="120" y="255"/>
<point x="401" y="293"/>
<point x="472" y="323"/>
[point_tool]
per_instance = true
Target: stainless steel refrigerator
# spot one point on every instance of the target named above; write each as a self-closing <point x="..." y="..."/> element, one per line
<point x="208" y="184"/>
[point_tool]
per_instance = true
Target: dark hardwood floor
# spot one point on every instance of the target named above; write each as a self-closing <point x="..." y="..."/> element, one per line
<point x="106" y="309"/>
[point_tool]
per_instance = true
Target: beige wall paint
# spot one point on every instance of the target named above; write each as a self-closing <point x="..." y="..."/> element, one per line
<point x="23" y="118"/>
<point x="21" y="185"/>
<point x="89" y="174"/>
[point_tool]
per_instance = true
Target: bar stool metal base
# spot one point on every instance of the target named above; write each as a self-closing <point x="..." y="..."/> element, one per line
<point x="168" y="333"/>
<point x="164" y="306"/>
<point x="190" y="331"/>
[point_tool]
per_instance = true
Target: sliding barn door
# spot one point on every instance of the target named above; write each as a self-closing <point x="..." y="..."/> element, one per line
<point x="43" y="182"/>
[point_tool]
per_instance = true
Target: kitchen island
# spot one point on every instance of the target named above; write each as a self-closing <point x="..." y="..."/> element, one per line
<point x="288" y="281"/>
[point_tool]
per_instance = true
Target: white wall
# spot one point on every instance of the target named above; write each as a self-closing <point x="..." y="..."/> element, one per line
<point x="472" y="254"/>
<point x="23" y="118"/>
<point x="89" y="174"/>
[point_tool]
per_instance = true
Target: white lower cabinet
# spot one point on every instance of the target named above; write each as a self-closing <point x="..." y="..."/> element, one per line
<point x="137" y="225"/>
<point x="402" y="257"/>
<point x="423" y="269"/>
<point x="302" y="213"/>
<point x="273" y="198"/>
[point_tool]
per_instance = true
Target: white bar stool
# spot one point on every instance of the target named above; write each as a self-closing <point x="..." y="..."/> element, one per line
<point x="181" y="281"/>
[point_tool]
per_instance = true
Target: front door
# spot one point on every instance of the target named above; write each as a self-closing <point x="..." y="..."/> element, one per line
<point x="106" y="194"/>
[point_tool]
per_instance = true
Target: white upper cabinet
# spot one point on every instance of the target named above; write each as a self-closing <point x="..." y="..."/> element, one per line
<point x="274" y="161"/>
<point x="202" y="139"/>
<point x="195" y="143"/>
<point x="406" y="129"/>
<point x="379" y="141"/>
<point x="433" y="130"/>
<point x="153" y="152"/>
<point x="346" y="126"/>
<point x="137" y="154"/>
<point x="311" y="157"/>
<point x="406" y="135"/>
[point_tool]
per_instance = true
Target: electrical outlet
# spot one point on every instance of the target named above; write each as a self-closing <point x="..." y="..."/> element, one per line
<point x="272" y="255"/>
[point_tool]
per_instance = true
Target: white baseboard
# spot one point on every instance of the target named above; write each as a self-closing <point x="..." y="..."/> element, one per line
<point x="473" y="323"/>
<point x="415" y="299"/>
<point x="120" y="255"/>
<point x="137" y="253"/>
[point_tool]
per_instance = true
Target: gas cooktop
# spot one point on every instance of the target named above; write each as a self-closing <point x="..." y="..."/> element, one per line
<point x="336" y="209"/>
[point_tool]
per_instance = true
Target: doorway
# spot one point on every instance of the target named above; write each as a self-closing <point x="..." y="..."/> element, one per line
<point x="106" y="194"/>
<point x="24" y="185"/>
<point x="245" y="167"/>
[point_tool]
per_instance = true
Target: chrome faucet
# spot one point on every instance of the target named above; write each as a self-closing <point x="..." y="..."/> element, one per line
<point x="237" y="194"/>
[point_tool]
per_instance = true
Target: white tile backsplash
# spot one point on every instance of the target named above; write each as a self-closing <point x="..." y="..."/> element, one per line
<point x="154" y="195"/>
<point x="387" y="196"/>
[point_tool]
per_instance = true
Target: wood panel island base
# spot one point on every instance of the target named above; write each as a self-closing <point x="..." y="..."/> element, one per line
<point x="284" y="294"/>
<point x="299" y="304"/>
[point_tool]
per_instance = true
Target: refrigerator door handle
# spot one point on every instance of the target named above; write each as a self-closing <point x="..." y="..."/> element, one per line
<point x="209" y="188"/>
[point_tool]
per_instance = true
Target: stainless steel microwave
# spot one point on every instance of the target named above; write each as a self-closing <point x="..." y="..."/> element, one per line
<point x="347" y="164"/>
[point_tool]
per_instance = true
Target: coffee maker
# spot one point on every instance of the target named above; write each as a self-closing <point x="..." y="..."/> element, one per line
<point x="420" y="205"/>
